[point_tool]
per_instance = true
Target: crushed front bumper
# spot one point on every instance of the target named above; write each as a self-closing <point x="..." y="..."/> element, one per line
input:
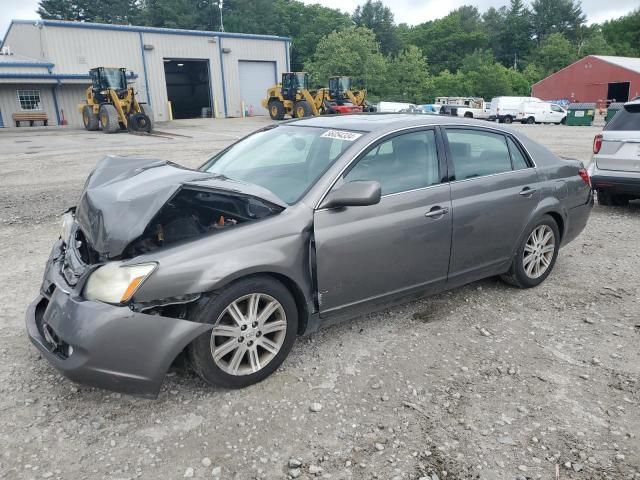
<point x="103" y="345"/>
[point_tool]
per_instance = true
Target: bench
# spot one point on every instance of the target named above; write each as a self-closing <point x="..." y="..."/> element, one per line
<point x="30" y="117"/>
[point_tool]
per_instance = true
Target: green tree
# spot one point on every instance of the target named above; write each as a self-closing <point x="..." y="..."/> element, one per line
<point x="106" y="11"/>
<point x="411" y="76"/>
<point x="446" y="41"/>
<point x="594" y="44"/>
<point x="447" y="84"/>
<point x="556" y="16"/>
<point x="353" y="52"/>
<point x="377" y="17"/>
<point x="623" y="34"/>
<point x="484" y="77"/>
<point x="555" y="53"/>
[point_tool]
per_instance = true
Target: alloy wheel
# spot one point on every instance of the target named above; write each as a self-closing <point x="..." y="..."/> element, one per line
<point x="539" y="251"/>
<point x="248" y="334"/>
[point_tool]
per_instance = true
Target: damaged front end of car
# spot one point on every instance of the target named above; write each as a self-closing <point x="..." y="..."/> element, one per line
<point x="86" y="320"/>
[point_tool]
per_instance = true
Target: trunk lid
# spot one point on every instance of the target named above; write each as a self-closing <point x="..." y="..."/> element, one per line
<point x="620" y="151"/>
<point x="123" y="195"/>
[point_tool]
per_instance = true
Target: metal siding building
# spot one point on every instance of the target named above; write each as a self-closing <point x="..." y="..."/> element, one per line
<point x="595" y="78"/>
<point x="200" y="72"/>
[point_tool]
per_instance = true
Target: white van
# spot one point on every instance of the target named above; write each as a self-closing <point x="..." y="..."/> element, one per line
<point x="505" y="109"/>
<point x="395" y="107"/>
<point x="541" y="112"/>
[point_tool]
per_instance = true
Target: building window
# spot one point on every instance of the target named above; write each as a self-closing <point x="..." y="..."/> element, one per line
<point x="29" y="99"/>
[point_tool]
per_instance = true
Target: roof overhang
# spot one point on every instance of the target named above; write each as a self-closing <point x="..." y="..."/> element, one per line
<point x="46" y="78"/>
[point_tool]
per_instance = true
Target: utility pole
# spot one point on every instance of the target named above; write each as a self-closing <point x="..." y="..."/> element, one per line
<point x="221" y="24"/>
<point x="515" y="61"/>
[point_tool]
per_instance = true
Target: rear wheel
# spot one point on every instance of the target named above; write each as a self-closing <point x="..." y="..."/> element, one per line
<point x="255" y="323"/>
<point x="531" y="120"/>
<point x="536" y="255"/>
<point x="302" y="109"/>
<point x="276" y="110"/>
<point x="508" y="119"/>
<point x="90" y="119"/>
<point x="604" y="198"/>
<point x="109" y="118"/>
<point x="468" y="115"/>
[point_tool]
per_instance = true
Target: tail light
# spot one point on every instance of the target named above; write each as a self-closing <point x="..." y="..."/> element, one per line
<point x="585" y="176"/>
<point x="597" y="143"/>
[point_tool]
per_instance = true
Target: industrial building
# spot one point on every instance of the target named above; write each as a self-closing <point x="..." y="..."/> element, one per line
<point x="44" y="67"/>
<point x="595" y="78"/>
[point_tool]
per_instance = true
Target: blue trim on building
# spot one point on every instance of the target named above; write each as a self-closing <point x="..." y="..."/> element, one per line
<point x="27" y="64"/>
<point x="144" y="68"/>
<point x="224" y="87"/>
<point x="51" y="76"/>
<point x="286" y="47"/>
<point x="210" y="71"/>
<point x="54" y="91"/>
<point x="134" y="28"/>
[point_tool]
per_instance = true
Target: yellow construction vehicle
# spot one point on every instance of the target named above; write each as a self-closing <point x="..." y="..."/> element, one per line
<point x="340" y="95"/>
<point x="112" y="105"/>
<point x="292" y="97"/>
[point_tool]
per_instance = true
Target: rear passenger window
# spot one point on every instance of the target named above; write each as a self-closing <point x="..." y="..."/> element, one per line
<point x="477" y="154"/>
<point x="405" y="162"/>
<point x="519" y="162"/>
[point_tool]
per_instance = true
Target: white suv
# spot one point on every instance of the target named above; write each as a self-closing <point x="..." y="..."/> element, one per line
<point x="615" y="166"/>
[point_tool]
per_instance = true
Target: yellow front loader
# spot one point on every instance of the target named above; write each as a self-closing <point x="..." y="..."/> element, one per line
<point x="111" y="104"/>
<point x="292" y="97"/>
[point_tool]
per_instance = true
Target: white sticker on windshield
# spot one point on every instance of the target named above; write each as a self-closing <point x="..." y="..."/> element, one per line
<point x="341" y="135"/>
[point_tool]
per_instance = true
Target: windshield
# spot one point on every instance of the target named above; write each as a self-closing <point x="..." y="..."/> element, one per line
<point x="114" y="78"/>
<point x="286" y="160"/>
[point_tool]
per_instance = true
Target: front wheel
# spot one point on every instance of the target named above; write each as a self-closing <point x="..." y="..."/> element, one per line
<point x="536" y="255"/>
<point x="109" y="118"/>
<point x="276" y="110"/>
<point x="508" y="119"/>
<point x="302" y="109"/>
<point x="255" y="323"/>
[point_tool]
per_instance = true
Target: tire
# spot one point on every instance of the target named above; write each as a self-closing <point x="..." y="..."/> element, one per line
<point x="276" y="110"/>
<point x="109" y="118"/>
<point x="468" y="115"/>
<point x="536" y="255"/>
<point x="604" y="198"/>
<point x="146" y="109"/>
<point x="236" y="366"/>
<point x="90" y="119"/>
<point x="563" y="121"/>
<point x="139" y="122"/>
<point x="531" y="120"/>
<point x="620" y="200"/>
<point x="302" y="109"/>
<point x="508" y="119"/>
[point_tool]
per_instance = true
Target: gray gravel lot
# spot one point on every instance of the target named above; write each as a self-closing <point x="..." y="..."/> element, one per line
<point x="485" y="381"/>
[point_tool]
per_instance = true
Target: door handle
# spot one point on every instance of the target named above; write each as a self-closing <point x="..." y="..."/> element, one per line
<point x="527" y="192"/>
<point x="436" y="212"/>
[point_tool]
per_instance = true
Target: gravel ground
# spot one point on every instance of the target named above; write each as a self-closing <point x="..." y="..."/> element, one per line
<point x="483" y="382"/>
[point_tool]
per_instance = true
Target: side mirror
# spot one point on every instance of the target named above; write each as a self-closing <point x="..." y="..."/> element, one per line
<point x="358" y="193"/>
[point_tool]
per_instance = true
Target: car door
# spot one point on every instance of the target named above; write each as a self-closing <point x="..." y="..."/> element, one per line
<point x="369" y="253"/>
<point x="556" y="114"/>
<point x="493" y="193"/>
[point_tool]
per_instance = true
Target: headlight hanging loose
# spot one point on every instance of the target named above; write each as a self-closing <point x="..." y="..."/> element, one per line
<point x="116" y="283"/>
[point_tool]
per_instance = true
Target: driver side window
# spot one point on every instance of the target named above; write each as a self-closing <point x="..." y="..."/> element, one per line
<point x="402" y="163"/>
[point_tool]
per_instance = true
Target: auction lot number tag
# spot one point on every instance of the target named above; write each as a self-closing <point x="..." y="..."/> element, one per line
<point x="341" y="135"/>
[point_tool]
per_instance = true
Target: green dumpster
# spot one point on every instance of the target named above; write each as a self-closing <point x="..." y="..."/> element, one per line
<point x="581" y="114"/>
<point x="612" y="110"/>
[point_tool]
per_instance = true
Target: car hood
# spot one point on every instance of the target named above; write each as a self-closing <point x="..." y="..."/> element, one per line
<point x="123" y="194"/>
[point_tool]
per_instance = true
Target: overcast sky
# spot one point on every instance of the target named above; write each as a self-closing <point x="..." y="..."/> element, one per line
<point x="408" y="11"/>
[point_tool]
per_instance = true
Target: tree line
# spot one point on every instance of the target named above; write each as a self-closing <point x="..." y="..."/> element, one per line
<point x="501" y="51"/>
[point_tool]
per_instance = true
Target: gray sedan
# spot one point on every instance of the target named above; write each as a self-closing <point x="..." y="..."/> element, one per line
<point x="297" y="225"/>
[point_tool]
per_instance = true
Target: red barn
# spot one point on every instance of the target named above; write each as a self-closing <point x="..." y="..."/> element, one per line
<point x="593" y="79"/>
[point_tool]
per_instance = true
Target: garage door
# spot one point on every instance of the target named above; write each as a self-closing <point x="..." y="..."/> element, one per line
<point x="255" y="79"/>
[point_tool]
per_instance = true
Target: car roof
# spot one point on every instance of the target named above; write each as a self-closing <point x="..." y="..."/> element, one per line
<point x="381" y="122"/>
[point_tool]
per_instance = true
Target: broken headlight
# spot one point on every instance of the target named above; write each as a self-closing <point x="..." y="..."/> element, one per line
<point x="66" y="227"/>
<point x="116" y="283"/>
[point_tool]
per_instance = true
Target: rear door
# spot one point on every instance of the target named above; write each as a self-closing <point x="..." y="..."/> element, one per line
<point x="620" y="149"/>
<point x="371" y="252"/>
<point x="493" y="193"/>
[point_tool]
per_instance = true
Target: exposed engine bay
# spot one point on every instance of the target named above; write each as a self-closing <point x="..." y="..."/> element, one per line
<point x="192" y="213"/>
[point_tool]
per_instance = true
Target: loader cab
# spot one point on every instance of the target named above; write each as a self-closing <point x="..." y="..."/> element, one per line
<point x="103" y="79"/>
<point x="338" y="87"/>
<point x="292" y="83"/>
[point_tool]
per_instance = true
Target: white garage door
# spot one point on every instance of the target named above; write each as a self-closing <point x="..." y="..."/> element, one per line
<point x="255" y="79"/>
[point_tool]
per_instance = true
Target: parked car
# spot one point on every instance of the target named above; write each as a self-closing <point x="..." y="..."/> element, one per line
<point x="615" y="166"/>
<point x="505" y="109"/>
<point x="298" y="224"/>
<point x="467" y="107"/>
<point x="541" y="112"/>
<point x="394" y="107"/>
